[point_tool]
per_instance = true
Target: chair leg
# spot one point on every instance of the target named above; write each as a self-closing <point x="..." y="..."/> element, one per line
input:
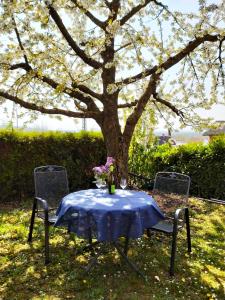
<point x="90" y="241"/>
<point x="187" y="220"/>
<point x="47" y="260"/>
<point x="148" y="232"/>
<point x="173" y="249"/>
<point x="32" y="221"/>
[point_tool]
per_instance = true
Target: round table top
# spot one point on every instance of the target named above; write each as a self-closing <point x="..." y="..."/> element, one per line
<point x="98" y="199"/>
<point x="108" y="216"/>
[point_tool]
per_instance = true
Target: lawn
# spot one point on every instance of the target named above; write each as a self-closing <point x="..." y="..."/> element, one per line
<point x="23" y="274"/>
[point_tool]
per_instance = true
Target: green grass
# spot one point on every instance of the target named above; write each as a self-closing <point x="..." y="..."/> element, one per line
<point x="23" y="274"/>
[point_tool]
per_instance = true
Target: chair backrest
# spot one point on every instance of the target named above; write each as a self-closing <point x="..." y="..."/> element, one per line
<point x="51" y="184"/>
<point x="171" y="190"/>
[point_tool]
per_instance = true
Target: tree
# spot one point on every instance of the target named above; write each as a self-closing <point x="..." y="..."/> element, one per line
<point x="94" y="58"/>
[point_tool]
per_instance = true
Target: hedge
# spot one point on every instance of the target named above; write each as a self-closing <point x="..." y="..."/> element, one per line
<point x="21" y="152"/>
<point x="205" y="164"/>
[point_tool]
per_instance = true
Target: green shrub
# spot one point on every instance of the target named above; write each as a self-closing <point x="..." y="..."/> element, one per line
<point x="21" y="152"/>
<point x="205" y="164"/>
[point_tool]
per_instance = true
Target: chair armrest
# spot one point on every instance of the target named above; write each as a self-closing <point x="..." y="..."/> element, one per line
<point x="178" y="212"/>
<point x="177" y="215"/>
<point x="43" y="203"/>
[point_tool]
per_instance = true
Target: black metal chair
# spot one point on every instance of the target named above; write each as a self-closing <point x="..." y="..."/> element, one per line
<point x="51" y="185"/>
<point x="171" y="192"/>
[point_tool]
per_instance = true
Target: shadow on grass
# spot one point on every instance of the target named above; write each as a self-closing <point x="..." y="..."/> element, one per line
<point x="24" y="275"/>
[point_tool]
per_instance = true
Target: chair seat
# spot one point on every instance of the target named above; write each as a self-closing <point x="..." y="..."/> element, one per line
<point x="51" y="218"/>
<point x="164" y="226"/>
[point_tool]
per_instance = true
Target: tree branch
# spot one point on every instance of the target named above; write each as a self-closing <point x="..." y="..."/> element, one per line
<point x="114" y="8"/>
<point x="220" y="71"/>
<point x="19" y="41"/>
<point x="69" y="91"/>
<point x="173" y="60"/>
<point x="52" y="111"/>
<point x="161" y="114"/>
<point x="24" y="66"/>
<point x="133" y="11"/>
<point x="127" y="105"/>
<point x="108" y="4"/>
<point x="168" y="104"/>
<point x="86" y="90"/>
<point x="58" y="21"/>
<point x="139" y="108"/>
<point x="95" y="20"/>
<point x="123" y="46"/>
<point x="74" y="94"/>
<point x="165" y="7"/>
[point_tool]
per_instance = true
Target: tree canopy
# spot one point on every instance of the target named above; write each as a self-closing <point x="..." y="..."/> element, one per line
<point x="95" y="58"/>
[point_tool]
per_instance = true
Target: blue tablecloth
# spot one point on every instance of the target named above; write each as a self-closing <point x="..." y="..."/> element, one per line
<point x="107" y="216"/>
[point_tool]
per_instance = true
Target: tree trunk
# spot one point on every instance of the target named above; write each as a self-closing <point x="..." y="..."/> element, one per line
<point x="116" y="146"/>
<point x="119" y="151"/>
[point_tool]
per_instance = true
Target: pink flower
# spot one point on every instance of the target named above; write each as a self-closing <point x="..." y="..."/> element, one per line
<point x="104" y="170"/>
<point x="100" y="170"/>
<point x="110" y="161"/>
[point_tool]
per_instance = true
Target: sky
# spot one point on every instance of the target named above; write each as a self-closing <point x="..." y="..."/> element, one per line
<point x="217" y="112"/>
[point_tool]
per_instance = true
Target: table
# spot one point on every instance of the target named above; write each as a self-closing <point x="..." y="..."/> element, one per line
<point x="107" y="214"/>
<point x="95" y="213"/>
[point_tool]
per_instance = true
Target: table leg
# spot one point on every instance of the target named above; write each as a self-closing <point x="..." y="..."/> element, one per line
<point x="126" y="245"/>
<point x="122" y="251"/>
<point x="130" y="263"/>
<point x="87" y="248"/>
<point x="90" y="247"/>
<point x="90" y="241"/>
<point x="91" y="264"/>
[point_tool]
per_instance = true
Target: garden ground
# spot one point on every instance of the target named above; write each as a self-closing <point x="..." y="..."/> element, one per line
<point x="23" y="274"/>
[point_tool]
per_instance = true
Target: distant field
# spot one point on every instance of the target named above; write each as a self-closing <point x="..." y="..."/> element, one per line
<point x="182" y="137"/>
<point x="189" y="137"/>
